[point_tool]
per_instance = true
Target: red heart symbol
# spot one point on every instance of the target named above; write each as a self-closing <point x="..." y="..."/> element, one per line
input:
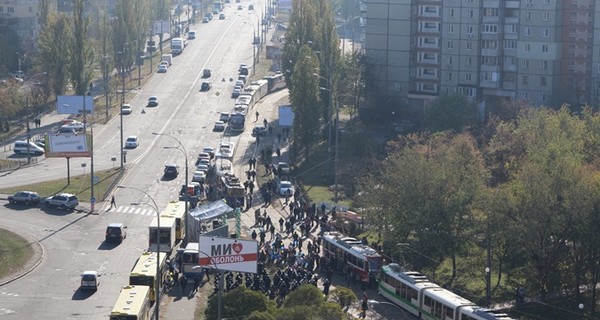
<point x="237" y="247"/>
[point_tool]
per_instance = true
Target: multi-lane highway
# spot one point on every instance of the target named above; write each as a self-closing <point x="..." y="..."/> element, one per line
<point x="74" y="242"/>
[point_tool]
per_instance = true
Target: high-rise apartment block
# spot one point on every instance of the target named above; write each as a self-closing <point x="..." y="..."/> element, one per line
<point x="541" y="51"/>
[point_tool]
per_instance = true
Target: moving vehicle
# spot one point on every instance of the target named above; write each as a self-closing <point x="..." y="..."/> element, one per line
<point x="177" y="45"/>
<point x="176" y="210"/>
<point x="132" y="142"/>
<point x="189" y="257"/>
<point x="276" y="82"/>
<point x="133" y="303"/>
<point x="24" y="197"/>
<point x="364" y="261"/>
<point x="115" y="232"/>
<point x="126" y="109"/>
<point x="244" y="70"/>
<point x="250" y="7"/>
<point x="285" y="188"/>
<point x="167" y="234"/>
<point x="191" y="34"/>
<point x="62" y="200"/>
<point x="162" y="69"/>
<point x="152" y="101"/>
<point x="415" y="293"/>
<point x="283" y="168"/>
<point x="208" y="15"/>
<point x="205" y="20"/>
<point x="205" y="86"/>
<point x="240" y="7"/>
<point x="259" y="130"/>
<point x="221" y="16"/>
<point x="89" y="280"/>
<point x="171" y="171"/>
<point x="24" y="147"/>
<point x="168" y="58"/>
<point x="246" y="99"/>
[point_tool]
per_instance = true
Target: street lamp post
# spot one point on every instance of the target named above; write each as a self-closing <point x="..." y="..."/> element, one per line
<point x="181" y="148"/>
<point x="335" y="154"/>
<point x="158" y="280"/>
<point x="122" y="58"/>
<point x="220" y="293"/>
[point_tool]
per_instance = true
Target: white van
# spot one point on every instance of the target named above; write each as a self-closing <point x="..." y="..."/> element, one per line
<point x="21" y="148"/>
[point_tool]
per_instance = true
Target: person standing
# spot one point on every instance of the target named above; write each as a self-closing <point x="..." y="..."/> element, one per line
<point x="183" y="282"/>
<point x="112" y="202"/>
<point x="257" y="114"/>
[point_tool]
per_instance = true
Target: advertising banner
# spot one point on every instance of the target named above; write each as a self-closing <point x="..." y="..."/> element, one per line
<point x="68" y="146"/>
<point x="74" y="105"/>
<point x="228" y="254"/>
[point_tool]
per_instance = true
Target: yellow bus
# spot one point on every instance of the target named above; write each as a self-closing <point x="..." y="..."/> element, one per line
<point x="144" y="272"/>
<point x="176" y="209"/>
<point x="133" y="304"/>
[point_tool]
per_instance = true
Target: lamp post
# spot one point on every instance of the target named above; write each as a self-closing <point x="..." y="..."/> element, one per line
<point x="158" y="280"/>
<point x="27" y="110"/>
<point x="122" y="58"/>
<point x="335" y="154"/>
<point x="181" y="148"/>
<point x="220" y="293"/>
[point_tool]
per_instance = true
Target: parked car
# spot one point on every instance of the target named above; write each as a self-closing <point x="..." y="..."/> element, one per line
<point x="205" y="20"/>
<point x="203" y="161"/>
<point x="206" y="73"/>
<point x="219" y="126"/>
<point x="205" y="86"/>
<point x="221" y="16"/>
<point x="126" y="109"/>
<point x="250" y="7"/>
<point x="76" y="125"/>
<point x="285" y="188"/>
<point x="202" y="167"/>
<point x="153" y="101"/>
<point x="283" y="168"/>
<point x="259" y="130"/>
<point x="171" y="171"/>
<point x="24" y="197"/>
<point x="236" y="92"/>
<point x="66" y="130"/>
<point x="132" y="142"/>
<point x="115" y="232"/>
<point x="240" y="7"/>
<point x="89" y="280"/>
<point x="199" y="176"/>
<point x="191" y="34"/>
<point x="162" y="69"/>
<point x="62" y="200"/>
<point x="210" y="151"/>
<point x="224" y="116"/>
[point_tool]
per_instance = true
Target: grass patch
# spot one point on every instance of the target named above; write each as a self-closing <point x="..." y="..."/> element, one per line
<point x="79" y="186"/>
<point x="14" y="252"/>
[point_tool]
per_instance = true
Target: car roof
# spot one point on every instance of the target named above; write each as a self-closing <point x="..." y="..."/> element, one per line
<point x="89" y="272"/>
<point x="171" y="165"/>
<point x="153" y="97"/>
<point x="116" y="225"/>
<point x="135" y="137"/>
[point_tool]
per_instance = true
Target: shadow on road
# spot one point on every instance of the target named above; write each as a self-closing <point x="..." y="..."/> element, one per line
<point x="80" y="294"/>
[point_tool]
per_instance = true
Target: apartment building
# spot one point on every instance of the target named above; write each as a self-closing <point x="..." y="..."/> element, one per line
<point x="21" y="16"/>
<point x="540" y="51"/>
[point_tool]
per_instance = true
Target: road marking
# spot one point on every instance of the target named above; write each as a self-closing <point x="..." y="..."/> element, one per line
<point x="137" y="211"/>
<point x="9" y="294"/>
<point x="133" y="210"/>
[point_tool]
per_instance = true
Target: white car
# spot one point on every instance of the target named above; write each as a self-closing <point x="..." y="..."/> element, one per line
<point x="202" y="167"/>
<point x="209" y="150"/>
<point x="191" y="34"/>
<point x="132" y="142"/>
<point x="126" y="109"/>
<point x="162" y="69"/>
<point x="225" y="150"/>
<point x="199" y="176"/>
<point x="153" y="101"/>
<point x="285" y="188"/>
<point x="203" y="161"/>
<point x="219" y="126"/>
<point x="76" y="125"/>
<point x="89" y="280"/>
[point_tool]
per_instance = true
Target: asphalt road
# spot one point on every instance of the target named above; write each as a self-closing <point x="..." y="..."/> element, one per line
<point x="73" y="242"/>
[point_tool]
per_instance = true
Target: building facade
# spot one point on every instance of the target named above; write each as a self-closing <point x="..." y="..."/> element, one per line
<point x="540" y="51"/>
<point x="22" y="16"/>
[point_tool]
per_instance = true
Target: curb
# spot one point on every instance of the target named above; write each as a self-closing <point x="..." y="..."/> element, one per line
<point x="35" y="265"/>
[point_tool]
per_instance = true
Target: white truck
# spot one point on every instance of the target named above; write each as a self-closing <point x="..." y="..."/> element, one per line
<point x="177" y="45"/>
<point x="168" y="58"/>
<point x="167" y="235"/>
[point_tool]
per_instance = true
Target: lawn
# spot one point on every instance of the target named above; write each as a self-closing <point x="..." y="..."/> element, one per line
<point x="79" y="186"/>
<point x="14" y="252"/>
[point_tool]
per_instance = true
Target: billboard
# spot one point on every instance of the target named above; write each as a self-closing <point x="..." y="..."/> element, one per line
<point x="160" y="27"/>
<point x="68" y="146"/>
<point x="74" y="104"/>
<point x="286" y="116"/>
<point x="228" y="254"/>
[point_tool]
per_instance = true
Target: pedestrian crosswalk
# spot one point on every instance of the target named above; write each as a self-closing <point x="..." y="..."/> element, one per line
<point x="132" y="210"/>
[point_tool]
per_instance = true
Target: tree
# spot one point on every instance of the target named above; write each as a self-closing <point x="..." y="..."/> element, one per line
<point x="54" y="56"/>
<point x="239" y="302"/>
<point x="450" y="112"/>
<point x="80" y="49"/>
<point x="344" y="296"/>
<point x="305" y="101"/>
<point x="305" y="295"/>
<point x="301" y="31"/>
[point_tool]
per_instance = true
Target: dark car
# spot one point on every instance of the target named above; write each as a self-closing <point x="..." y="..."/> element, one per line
<point x="205" y="86"/>
<point x="171" y="171"/>
<point x="206" y="73"/>
<point x="115" y="232"/>
<point x="24" y="197"/>
<point x="259" y="130"/>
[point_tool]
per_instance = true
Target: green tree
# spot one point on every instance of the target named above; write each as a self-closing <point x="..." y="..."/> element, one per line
<point x="305" y="102"/>
<point x="54" y="56"/>
<point x="80" y="49"/>
<point x="240" y="302"/>
<point x="305" y="295"/>
<point x="450" y="112"/>
<point x="301" y="31"/>
<point x="9" y="45"/>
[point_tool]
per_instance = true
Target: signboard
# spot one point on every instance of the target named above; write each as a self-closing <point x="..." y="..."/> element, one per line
<point x="228" y="254"/>
<point x="74" y="104"/>
<point x="286" y="116"/>
<point x="160" y="27"/>
<point x="68" y="146"/>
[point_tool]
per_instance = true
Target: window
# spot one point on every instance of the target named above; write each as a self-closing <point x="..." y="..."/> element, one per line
<point x="451" y="12"/>
<point x="469" y="61"/>
<point x="545" y="48"/>
<point x="546" y="32"/>
<point x="525" y="64"/>
<point x="510" y="44"/>
<point x="470" y="29"/>
<point x="542" y="97"/>
<point x="451" y="28"/>
<point x="528" y="16"/>
<point x="1" y="9"/>
<point x="543" y="81"/>
<point x="527" y="31"/>
<point x="10" y="9"/>
<point x="450" y="76"/>
<point x="490" y="12"/>
<point x="545" y="65"/>
<point x="469" y="45"/>
<point x="490" y="28"/>
<point x="398" y="87"/>
<point x="471" y="13"/>
<point x="449" y="60"/>
<point x="525" y="80"/>
<point x="510" y="28"/>
<point x="546" y="16"/>
<point x="468" y="76"/>
<point x="527" y="47"/>
<point x="450" y="44"/>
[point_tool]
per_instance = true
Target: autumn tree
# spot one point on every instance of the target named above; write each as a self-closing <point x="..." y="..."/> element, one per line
<point x="450" y="112"/>
<point x="54" y="55"/>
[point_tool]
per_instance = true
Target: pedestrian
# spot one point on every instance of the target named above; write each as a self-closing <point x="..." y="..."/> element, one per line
<point x="113" y="203"/>
<point x="257" y="114"/>
<point x="251" y="187"/>
<point x="265" y="122"/>
<point x="183" y="282"/>
<point x="278" y="151"/>
<point x="364" y="306"/>
<point x="253" y="235"/>
<point x="272" y="230"/>
<point x="257" y="217"/>
<point x="281" y="222"/>
<point x="250" y="164"/>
